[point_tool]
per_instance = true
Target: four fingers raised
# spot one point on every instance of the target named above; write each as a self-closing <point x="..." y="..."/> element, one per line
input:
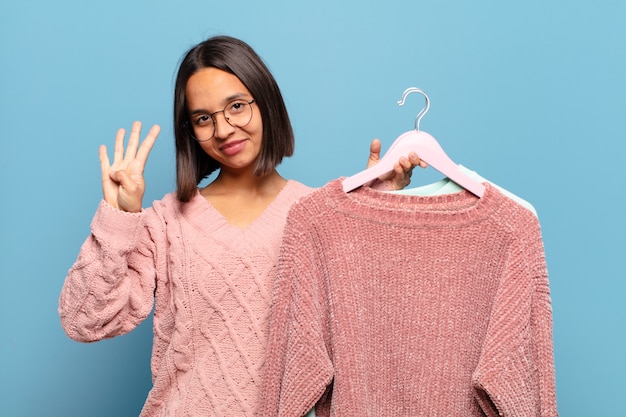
<point x="122" y="180"/>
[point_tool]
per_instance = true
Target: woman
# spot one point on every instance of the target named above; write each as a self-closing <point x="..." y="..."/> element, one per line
<point x="203" y="258"/>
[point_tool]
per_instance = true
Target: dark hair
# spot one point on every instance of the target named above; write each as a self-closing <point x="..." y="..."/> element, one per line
<point x="238" y="58"/>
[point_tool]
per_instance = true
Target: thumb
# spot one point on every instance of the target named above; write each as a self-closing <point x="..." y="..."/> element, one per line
<point x="116" y="176"/>
<point x="121" y="178"/>
<point x="374" y="153"/>
<point x="131" y="185"/>
<point x="130" y="192"/>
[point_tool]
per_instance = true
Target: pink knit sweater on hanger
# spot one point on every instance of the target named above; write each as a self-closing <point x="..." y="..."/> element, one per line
<point x="395" y="305"/>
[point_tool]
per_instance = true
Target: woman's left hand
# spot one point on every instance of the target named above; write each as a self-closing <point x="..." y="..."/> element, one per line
<point x="400" y="177"/>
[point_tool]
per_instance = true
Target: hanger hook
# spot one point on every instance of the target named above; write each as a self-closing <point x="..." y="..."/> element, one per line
<point x="424" y="109"/>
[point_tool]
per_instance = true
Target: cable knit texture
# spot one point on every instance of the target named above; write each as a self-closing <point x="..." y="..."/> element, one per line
<point x="395" y="305"/>
<point x="212" y="285"/>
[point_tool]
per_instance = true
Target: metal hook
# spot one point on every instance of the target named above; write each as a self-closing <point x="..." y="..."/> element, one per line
<point x="422" y="112"/>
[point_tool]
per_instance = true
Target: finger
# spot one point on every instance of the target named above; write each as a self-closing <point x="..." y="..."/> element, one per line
<point x="374" y="156"/>
<point x="402" y="176"/>
<point x="146" y="145"/>
<point x="105" y="164"/>
<point x="104" y="158"/>
<point x="108" y="183"/>
<point x="416" y="160"/>
<point x="401" y="170"/>
<point x="133" y="140"/>
<point x="405" y="164"/>
<point x="118" y="151"/>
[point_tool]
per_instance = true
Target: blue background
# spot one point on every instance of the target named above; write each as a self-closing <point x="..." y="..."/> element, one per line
<point x="529" y="94"/>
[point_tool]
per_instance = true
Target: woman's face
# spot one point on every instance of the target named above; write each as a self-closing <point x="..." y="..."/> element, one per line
<point x="210" y="90"/>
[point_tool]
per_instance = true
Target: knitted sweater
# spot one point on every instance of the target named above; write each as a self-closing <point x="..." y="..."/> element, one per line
<point x="210" y="284"/>
<point x="395" y="305"/>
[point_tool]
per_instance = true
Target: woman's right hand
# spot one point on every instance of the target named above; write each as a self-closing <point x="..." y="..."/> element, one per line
<point x="123" y="184"/>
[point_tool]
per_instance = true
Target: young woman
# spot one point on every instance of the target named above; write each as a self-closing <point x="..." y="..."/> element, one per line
<point x="203" y="258"/>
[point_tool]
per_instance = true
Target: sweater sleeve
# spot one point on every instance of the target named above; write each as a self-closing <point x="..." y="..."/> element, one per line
<point x="515" y="375"/>
<point x="298" y="368"/>
<point x="110" y="288"/>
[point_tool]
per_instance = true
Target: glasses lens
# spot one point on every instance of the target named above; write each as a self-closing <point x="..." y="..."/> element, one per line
<point x="237" y="113"/>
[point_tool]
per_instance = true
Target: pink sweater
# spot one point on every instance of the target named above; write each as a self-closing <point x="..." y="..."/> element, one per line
<point x="210" y="285"/>
<point x="395" y="305"/>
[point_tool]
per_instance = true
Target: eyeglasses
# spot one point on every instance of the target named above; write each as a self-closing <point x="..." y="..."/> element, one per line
<point x="237" y="113"/>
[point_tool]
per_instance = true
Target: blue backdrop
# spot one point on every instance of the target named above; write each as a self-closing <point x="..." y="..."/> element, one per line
<point x="529" y="94"/>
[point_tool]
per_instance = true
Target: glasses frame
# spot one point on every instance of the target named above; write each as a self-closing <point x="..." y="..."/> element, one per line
<point x="190" y="126"/>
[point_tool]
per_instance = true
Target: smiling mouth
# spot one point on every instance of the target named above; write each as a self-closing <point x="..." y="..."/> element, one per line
<point x="232" y="144"/>
<point x="233" y="147"/>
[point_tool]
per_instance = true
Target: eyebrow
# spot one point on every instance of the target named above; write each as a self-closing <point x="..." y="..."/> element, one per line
<point x="227" y="100"/>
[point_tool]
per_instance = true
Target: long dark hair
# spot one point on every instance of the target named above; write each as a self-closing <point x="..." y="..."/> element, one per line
<point x="238" y="58"/>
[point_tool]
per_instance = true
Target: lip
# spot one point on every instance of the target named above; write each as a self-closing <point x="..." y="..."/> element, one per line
<point x="233" y="147"/>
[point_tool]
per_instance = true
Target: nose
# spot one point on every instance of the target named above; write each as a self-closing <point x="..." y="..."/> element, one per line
<point x="222" y="128"/>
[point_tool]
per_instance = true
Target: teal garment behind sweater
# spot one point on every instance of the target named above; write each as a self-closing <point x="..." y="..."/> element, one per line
<point x="446" y="186"/>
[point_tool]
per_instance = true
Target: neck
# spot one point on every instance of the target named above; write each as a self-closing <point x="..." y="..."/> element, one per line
<point x="238" y="183"/>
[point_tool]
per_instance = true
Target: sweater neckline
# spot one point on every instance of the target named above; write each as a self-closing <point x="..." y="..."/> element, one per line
<point x="443" y="210"/>
<point x="273" y="212"/>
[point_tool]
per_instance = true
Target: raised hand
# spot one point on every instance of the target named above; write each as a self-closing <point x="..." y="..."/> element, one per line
<point x="400" y="177"/>
<point x="123" y="184"/>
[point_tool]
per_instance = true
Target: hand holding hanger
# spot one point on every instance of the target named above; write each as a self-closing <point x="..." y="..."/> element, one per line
<point x="425" y="146"/>
<point x="400" y="176"/>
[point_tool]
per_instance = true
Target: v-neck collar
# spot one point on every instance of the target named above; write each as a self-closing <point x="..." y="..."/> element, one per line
<point x="274" y="213"/>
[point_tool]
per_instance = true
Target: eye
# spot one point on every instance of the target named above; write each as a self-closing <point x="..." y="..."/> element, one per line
<point x="202" y="120"/>
<point x="237" y="106"/>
